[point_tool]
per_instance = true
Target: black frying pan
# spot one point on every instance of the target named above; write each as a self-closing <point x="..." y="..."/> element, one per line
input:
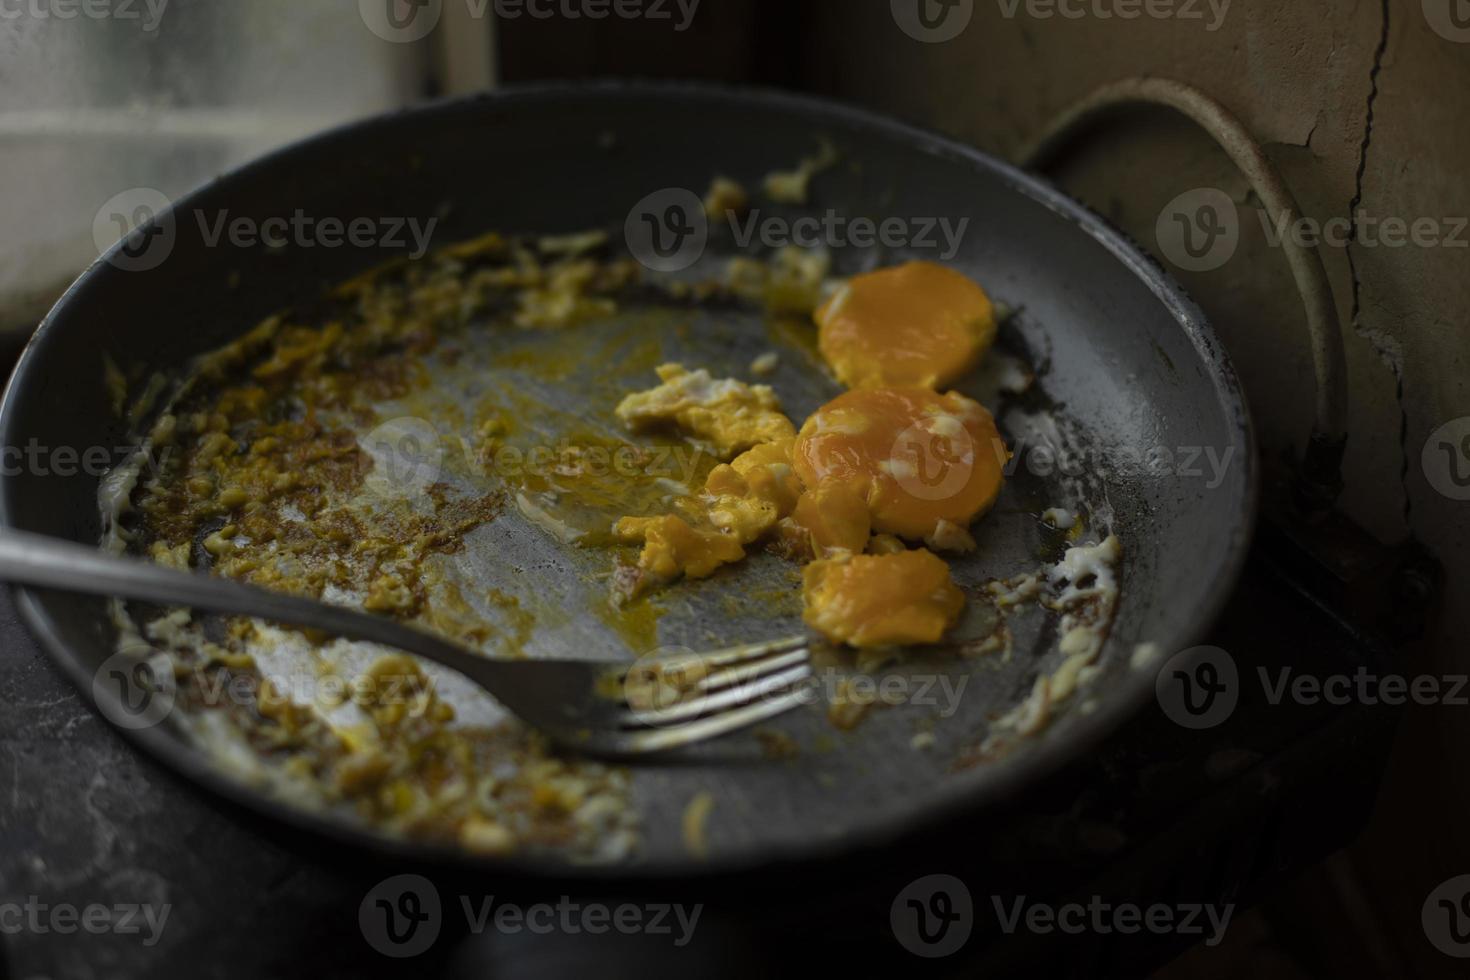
<point x="1126" y="362"/>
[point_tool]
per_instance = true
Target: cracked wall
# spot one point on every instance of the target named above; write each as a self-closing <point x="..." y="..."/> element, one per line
<point x="1362" y="106"/>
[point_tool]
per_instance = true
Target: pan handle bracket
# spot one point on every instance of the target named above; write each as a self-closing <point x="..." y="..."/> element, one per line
<point x="1319" y="478"/>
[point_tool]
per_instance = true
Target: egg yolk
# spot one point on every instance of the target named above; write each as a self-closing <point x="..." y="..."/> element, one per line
<point x="923" y="462"/>
<point x="835" y="518"/>
<point x="914" y="324"/>
<point x="881" y="600"/>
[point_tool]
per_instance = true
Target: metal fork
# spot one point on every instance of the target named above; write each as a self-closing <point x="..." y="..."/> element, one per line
<point x="582" y="705"/>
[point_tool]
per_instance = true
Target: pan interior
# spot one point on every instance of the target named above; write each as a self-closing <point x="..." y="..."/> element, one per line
<point x="1123" y="371"/>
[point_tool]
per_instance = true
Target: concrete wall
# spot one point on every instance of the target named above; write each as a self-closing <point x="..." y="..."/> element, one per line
<point x="1363" y="106"/>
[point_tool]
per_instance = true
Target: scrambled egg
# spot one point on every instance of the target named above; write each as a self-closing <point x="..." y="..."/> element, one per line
<point x="881" y="600"/>
<point x="793" y="186"/>
<point x="672" y="547"/>
<point x="889" y="461"/>
<point x="730" y="415"/>
<point x="912" y="324"/>
<point x="748" y="496"/>
<point x="904" y="462"/>
<point x="742" y="501"/>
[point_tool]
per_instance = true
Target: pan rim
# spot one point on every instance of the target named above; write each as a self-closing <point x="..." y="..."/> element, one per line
<point x="1007" y="778"/>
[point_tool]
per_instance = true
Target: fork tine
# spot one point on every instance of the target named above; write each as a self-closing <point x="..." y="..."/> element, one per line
<point x="659" y="740"/>
<point x="742" y="653"/>
<point x="730" y="697"/>
<point x="748" y="670"/>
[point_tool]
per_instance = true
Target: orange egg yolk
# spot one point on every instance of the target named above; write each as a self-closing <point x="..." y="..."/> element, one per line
<point x="926" y="464"/>
<point x="914" y="324"/>
<point x="835" y="518"/>
<point x="881" y="600"/>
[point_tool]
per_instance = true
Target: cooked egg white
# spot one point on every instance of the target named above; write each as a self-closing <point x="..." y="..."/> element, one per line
<point x="730" y="415"/>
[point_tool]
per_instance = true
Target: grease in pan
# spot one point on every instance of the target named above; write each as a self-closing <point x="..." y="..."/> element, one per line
<point x="288" y="466"/>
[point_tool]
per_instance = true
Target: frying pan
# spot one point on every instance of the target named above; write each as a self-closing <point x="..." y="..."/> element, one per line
<point x="1125" y="361"/>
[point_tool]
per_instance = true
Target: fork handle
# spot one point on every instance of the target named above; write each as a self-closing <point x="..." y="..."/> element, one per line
<point x="37" y="560"/>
